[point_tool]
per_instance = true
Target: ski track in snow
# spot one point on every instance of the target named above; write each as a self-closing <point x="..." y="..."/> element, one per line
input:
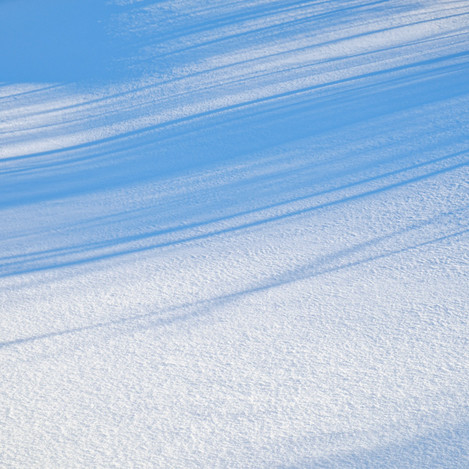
<point x="234" y="234"/>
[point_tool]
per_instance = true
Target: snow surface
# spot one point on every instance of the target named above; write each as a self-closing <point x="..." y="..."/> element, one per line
<point x="234" y="234"/>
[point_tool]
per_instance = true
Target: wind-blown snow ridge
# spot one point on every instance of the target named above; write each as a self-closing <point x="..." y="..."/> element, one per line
<point x="234" y="234"/>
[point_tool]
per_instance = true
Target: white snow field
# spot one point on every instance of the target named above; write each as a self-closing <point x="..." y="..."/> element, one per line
<point x="234" y="234"/>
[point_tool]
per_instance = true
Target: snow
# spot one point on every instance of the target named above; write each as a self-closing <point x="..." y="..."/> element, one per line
<point x="234" y="234"/>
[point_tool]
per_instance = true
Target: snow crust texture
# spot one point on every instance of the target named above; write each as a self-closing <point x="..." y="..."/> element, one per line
<point x="234" y="234"/>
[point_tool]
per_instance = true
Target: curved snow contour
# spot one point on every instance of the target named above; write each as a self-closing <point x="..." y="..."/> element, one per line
<point x="234" y="234"/>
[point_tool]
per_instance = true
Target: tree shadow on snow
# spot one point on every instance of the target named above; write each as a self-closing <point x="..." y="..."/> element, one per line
<point x="233" y="134"/>
<point x="440" y="448"/>
<point x="52" y="50"/>
<point x="356" y="255"/>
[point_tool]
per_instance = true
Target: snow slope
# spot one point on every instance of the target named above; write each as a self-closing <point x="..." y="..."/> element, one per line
<point x="234" y="234"/>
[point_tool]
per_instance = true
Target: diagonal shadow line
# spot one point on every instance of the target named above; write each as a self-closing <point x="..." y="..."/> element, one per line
<point x="25" y="93"/>
<point x="310" y="19"/>
<point x="245" y="104"/>
<point x="51" y="253"/>
<point x="142" y="131"/>
<point x="245" y="62"/>
<point x="48" y="192"/>
<point x="275" y="108"/>
<point x="234" y="229"/>
<point x="305" y="19"/>
<point x="247" y="14"/>
<point x="214" y="302"/>
<point x="437" y="448"/>
<point x="237" y="80"/>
